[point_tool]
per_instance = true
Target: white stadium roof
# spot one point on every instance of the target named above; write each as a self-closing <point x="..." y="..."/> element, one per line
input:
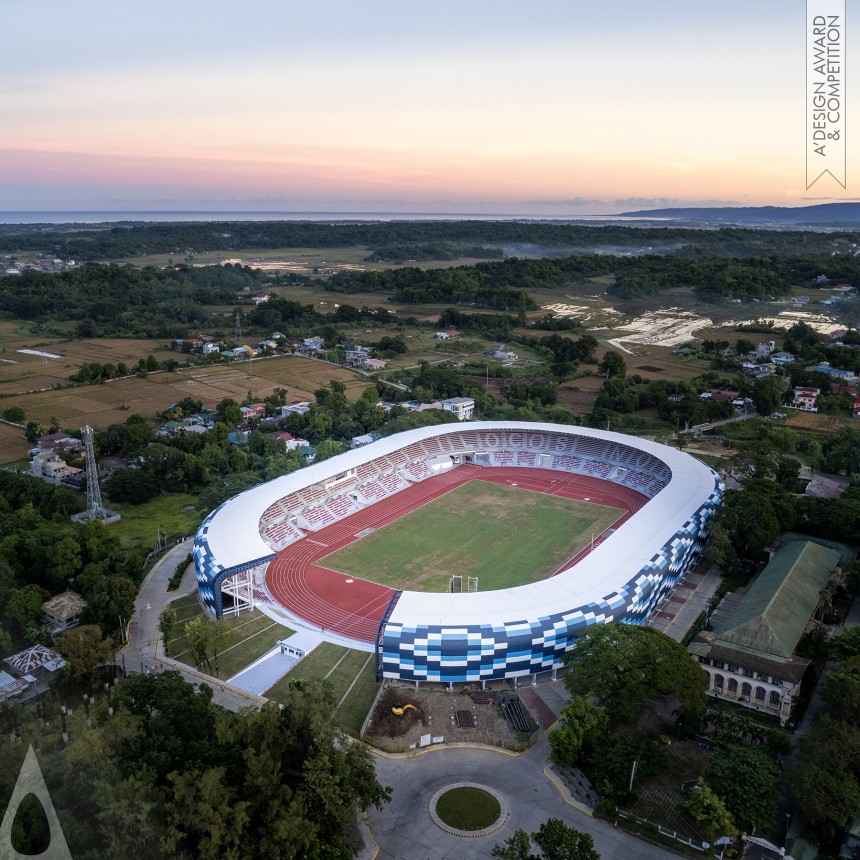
<point x="234" y="540"/>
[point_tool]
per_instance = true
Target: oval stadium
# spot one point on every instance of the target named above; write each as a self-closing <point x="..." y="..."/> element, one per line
<point x="464" y="552"/>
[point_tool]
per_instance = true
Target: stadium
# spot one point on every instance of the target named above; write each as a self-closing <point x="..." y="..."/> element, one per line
<point x="637" y="519"/>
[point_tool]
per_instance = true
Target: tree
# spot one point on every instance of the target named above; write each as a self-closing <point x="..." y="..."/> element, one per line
<point x="612" y="364"/>
<point x="711" y="815"/>
<point x="621" y="665"/>
<point x="583" y="725"/>
<point x="15" y="414"/>
<point x="560" y="842"/>
<point x="66" y="561"/>
<point x="85" y="650"/>
<point x="205" y="637"/>
<point x="32" y="431"/>
<point x="326" y="449"/>
<point x="228" y="411"/>
<point x="25" y="604"/>
<point x="767" y="395"/>
<point x="746" y="779"/>
<point x="556" y="841"/>
<point x="166" y="623"/>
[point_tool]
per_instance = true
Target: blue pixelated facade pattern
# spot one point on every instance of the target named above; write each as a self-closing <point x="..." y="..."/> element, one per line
<point x="210" y="574"/>
<point x="525" y="647"/>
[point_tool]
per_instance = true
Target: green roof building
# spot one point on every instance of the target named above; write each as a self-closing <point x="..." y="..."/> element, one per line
<point x="749" y="656"/>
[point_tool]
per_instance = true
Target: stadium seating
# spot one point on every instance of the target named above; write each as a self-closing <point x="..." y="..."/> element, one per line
<point x="526" y="458"/>
<point x="417" y="471"/>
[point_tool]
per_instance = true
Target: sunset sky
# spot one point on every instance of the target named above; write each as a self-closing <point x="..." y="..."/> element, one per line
<point x="550" y="108"/>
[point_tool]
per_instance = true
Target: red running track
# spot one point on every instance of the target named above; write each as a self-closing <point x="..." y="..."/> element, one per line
<point x="353" y="607"/>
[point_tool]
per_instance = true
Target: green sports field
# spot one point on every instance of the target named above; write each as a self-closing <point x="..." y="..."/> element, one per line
<point x="504" y="535"/>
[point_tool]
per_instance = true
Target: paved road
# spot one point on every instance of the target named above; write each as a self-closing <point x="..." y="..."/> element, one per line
<point x="142" y="652"/>
<point x="404" y="831"/>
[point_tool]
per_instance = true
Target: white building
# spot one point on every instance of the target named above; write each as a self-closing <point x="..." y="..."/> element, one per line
<point x="462" y="407"/>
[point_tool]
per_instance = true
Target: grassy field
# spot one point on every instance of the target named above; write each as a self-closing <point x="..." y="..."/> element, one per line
<point x="505" y="536"/>
<point x="351" y="675"/>
<point x="175" y="514"/>
<point x="252" y="635"/>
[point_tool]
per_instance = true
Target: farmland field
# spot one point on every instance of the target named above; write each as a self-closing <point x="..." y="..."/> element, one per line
<point x="114" y="401"/>
<point x="505" y="536"/>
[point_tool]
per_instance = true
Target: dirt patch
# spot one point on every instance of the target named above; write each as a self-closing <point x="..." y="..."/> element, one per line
<point x="648" y="368"/>
<point x="443" y="714"/>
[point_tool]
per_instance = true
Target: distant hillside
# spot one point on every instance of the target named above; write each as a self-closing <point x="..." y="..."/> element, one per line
<point x="824" y="213"/>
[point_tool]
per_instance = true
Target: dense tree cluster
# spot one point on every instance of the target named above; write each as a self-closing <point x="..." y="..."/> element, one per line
<point x="125" y="301"/>
<point x="41" y="552"/>
<point x="170" y="774"/>
<point x="132" y="239"/>
<point x="826" y="779"/>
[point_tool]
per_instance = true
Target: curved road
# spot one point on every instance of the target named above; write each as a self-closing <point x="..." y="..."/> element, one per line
<point x="403" y="829"/>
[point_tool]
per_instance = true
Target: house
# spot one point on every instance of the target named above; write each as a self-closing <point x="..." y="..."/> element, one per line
<point x="450" y="334"/>
<point x="499" y="352"/>
<point x="308" y="452"/>
<point x="806" y="398"/>
<point x="296" y="407"/>
<point x="10" y="687"/>
<point x="59" y="443"/>
<point x="361" y="441"/>
<point x="312" y="344"/>
<point x="189" y="345"/>
<point x="211" y="347"/>
<point x="719" y="395"/>
<point x="253" y="411"/>
<point x="838" y="388"/>
<point x="356" y="357"/>
<point x="462" y="407"/>
<point x="824" y="367"/>
<point x="782" y="358"/>
<point x="763" y="350"/>
<point x="34" y="662"/>
<point x="749" y="655"/>
<point x="62" y="612"/>
<point x="262" y="297"/>
<point x="824" y="488"/>
<point x="757" y="371"/>
<point x="268" y="344"/>
<point x="373" y="364"/>
<point x="290" y="442"/>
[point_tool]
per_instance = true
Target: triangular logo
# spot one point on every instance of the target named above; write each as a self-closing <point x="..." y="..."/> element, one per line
<point x="31" y="781"/>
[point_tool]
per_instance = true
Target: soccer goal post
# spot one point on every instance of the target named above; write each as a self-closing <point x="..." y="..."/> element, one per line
<point x="456" y="586"/>
<point x="472" y="583"/>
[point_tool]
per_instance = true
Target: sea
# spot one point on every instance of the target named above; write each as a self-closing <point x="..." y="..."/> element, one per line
<point x="105" y="216"/>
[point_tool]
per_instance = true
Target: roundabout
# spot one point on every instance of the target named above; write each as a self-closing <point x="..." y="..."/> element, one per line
<point x="468" y="809"/>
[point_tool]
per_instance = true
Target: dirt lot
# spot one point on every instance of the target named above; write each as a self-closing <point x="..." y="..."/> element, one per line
<point x="817" y="421"/>
<point x="13" y="445"/>
<point x="438" y="718"/>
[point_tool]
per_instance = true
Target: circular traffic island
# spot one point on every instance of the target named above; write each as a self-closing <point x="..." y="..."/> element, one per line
<point x="468" y="809"/>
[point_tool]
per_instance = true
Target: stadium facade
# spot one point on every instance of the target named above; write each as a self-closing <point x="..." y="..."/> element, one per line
<point x="481" y="636"/>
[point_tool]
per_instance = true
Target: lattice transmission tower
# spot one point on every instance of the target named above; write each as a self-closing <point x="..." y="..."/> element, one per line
<point x="95" y="509"/>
